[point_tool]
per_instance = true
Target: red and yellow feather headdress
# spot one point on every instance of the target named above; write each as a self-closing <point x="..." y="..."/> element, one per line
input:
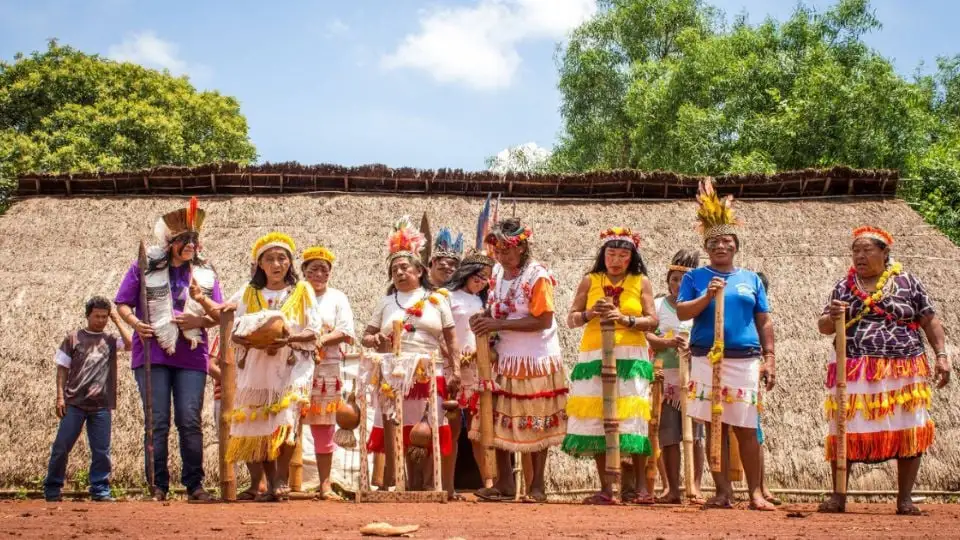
<point x="875" y="233"/>
<point x="405" y="240"/>
<point x="714" y="215"/>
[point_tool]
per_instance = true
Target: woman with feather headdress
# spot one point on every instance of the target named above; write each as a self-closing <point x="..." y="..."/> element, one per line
<point x="426" y="324"/>
<point x="178" y="350"/>
<point x="745" y="351"/>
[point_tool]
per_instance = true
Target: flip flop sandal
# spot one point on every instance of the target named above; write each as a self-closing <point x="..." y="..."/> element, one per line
<point x="331" y="496"/>
<point x="600" y="499"/>
<point x="697" y="500"/>
<point x="456" y="497"/>
<point x="832" y="506"/>
<point x="725" y="505"/>
<point x="758" y="508"/>
<point x="246" y="496"/>
<point x="910" y="510"/>
<point x="267" y="498"/>
<point x="774" y="500"/>
<point x="534" y="499"/>
<point x="668" y="500"/>
<point x="642" y="500"/>
<point x="492" y="495"/>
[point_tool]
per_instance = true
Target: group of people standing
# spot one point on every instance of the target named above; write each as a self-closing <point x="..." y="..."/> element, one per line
<point x="449" y="300"/>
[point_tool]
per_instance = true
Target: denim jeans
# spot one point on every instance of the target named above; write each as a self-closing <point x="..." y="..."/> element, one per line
<point x="186" y="386"/>
<point x="98" y="438"/>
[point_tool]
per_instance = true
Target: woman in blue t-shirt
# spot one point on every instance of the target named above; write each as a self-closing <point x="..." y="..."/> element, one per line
<point x="747" y="337"/>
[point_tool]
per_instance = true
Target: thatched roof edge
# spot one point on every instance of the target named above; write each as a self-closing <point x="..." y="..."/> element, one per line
<point x="291" y="177"/>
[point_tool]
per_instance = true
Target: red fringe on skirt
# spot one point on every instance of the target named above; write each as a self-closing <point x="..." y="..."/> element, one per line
<point x="883" y="445"/>
<point x="375" y="442"/>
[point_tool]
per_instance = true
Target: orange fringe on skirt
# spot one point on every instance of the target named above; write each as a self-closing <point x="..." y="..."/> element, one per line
<point x="884" y="445"/>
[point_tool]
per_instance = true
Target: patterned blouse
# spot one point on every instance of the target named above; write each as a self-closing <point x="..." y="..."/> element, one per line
<point x="875" y="334"/>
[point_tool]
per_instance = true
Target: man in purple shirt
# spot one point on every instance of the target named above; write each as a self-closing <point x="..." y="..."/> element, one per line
<point x="178" y="344"/>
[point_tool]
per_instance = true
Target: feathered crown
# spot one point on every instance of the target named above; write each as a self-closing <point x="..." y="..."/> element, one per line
<point x="478" y="257"/>
<point x="272" y="240"/>
<point x="446" y="246"/>
<point x="173" y="224"/>
<point x="405" y="240"/>
<point x="714" y="215"/>
<point x="875" y="233"/>
<point x="319" y="253"/>
<point x="620" y="233"/>
<point x="501" y="239"/>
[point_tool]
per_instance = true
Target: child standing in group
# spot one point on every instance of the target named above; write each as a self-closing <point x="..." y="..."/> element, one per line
<point x="86" y="394"/>
<point x="666" y="342"/>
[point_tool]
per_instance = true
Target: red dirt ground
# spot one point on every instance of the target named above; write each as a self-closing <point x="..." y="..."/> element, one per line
<point x="309" y="519"/>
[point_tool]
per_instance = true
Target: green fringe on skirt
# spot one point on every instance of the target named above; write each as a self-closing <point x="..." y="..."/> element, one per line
<point x="591" y="445"/>
<point x="627" y="368"/>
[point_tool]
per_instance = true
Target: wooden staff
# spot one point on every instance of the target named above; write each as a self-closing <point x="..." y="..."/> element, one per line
<point x="840" y="442"/>
<point x="147" y="366"/>
<point x="653" y="427"/>
<point x="716" y="401"/>
<point x="296" y="461"/>
<point x="686" y="421"/>
<point x="228" y="391"/>
<point x="485" y="373"/>
<point x="364" y="480"/>
<point x="399" y="456"/>
<point x="433" y="417"/>
<point x="611" y="421"/>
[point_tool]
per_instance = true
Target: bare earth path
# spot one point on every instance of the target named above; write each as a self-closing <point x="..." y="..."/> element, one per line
<point x="308" y="519"/>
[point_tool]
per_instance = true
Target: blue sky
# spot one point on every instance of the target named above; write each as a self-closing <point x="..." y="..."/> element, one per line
<point x="400" y="82"/>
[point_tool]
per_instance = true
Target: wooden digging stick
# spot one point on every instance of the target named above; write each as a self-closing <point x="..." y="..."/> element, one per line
<point x="686" y="421"/>
<point x="485" y="373"/>
<point x="653" y="427"/>
<point x="840" y="442"/>
<point x="611" y="421"/>
<point x="716" y="399"/>
<point x="399" y="456"/>
<point x="433" y="417"/>
<point x="147" y="368"/>
<point x="228" y="391"/>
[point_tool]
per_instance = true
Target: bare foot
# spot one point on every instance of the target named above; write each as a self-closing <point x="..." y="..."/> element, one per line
<point x="761" y="504"/>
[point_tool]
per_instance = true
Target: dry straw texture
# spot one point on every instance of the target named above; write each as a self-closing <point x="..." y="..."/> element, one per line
<point x="58" y="252"/>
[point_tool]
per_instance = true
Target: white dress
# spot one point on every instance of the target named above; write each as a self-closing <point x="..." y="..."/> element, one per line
<point x="464" y="305"/>
<point x="330" y="313"/>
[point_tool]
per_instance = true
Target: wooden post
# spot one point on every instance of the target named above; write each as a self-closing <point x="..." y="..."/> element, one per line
<point x="840" y="443"/>
<point x="433" y="417"/>
<point x="485" y="373"/>
<point x="399" y="456"/>
<point x="147" y="368"/>
<point x="653" y="428"/>
<point x="716" y="400"/>
<point x="686" y="421"/>
<point x="68" y="182"/>
<point x="146" y="183"/>
<point x="611" y="421"/>
<point x="228" y="391"/>
<point x="213" y="182"/>
<point x="296" y="462"/>
<point x="364" y="482"/>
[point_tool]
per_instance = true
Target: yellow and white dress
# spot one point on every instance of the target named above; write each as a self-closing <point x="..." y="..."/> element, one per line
<point x="585" y="435"/>
<point x="270" y="389"/>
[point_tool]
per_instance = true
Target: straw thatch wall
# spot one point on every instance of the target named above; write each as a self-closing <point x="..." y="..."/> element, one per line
<point x="57" y="252"/>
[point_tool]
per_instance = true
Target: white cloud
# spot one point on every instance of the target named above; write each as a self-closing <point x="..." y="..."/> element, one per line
<point x="149" y="50"/>
<point x="528" y="158"/>
<point x="336" y="28"/>
<point x="477" y="45"/>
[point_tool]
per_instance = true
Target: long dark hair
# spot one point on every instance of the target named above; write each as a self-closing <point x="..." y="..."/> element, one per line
<point x="635" y="267"/>
<point x="463" y="274"/>
<point x="424" y="278"/>
<point x="259" y="279"/>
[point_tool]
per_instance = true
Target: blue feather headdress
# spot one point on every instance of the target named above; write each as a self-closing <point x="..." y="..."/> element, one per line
<point x="445" y="245"/>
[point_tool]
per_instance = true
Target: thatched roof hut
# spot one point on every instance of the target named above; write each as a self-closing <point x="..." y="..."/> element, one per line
<point x="59" y="251"/>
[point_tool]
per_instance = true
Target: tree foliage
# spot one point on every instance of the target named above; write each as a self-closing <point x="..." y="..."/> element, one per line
<point x="666" y="84"/>
<point x="63" y="111"/>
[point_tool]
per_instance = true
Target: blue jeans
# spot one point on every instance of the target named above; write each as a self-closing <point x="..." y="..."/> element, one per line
<point x="186" y="386"/>
<point x="98" y="437"/>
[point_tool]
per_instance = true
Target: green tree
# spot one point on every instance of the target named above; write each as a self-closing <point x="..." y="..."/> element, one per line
<point x="664" y="84"/>
<point x="65" y="111"/>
